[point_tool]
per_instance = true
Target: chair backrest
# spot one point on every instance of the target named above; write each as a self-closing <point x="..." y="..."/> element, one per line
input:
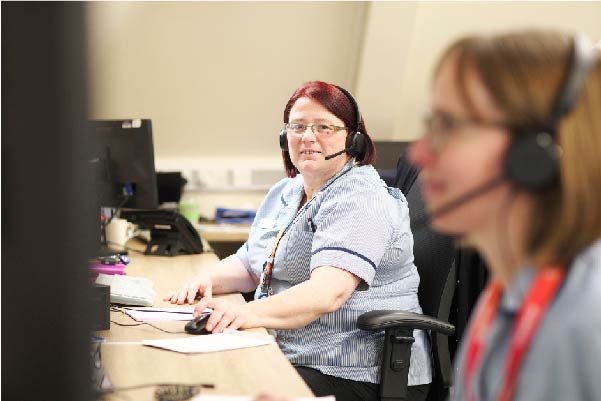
<point x="435" y="260"/>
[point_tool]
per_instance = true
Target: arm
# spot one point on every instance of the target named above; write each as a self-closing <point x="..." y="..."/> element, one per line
<point x="226" y="276"/>
<point x="326" y="291"/>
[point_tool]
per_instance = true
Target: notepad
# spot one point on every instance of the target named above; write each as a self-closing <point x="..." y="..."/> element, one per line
<point x="162" y="314"/>
<point x="228" y="340"/>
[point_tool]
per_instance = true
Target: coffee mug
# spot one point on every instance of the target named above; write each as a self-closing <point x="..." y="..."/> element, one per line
<point x="118" y="231"/>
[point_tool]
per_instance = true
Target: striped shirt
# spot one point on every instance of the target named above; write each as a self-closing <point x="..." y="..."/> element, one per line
<point x="357" y="224"/>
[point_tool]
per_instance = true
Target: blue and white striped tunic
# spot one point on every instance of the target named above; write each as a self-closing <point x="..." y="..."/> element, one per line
<point x="358" y="225"/>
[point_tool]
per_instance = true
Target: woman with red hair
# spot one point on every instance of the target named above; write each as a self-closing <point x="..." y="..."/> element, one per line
<point x="328" y="243"/>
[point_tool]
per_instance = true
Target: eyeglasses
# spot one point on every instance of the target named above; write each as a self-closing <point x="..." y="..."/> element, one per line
<point x="323" y="130"/>
<point x="441" y="128"/>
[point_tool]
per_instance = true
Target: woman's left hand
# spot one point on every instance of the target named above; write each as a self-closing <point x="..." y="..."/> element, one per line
<point x="225" y="315"/>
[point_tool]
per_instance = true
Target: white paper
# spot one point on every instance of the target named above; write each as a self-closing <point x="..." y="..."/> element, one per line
<point x="229" y="339"/>
<point x="205" y="397"/>
<point x="162" y="314"/>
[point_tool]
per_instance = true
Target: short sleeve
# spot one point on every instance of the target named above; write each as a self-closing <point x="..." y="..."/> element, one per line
<point x="242" y="254"/>
<point x="353" y="230"/>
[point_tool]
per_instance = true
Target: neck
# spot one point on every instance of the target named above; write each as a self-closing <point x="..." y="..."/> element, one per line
<point x="502" y="243"/>
<point x="313" y="183"/>
<point x="309" y="193"/>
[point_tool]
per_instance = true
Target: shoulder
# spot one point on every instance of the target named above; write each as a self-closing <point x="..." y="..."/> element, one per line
<point x="360" y="179"/>
<point x="583" y="281"/>
<point x="283" y="190"/>
<point x="576" y="319"/>
<point x="362" y="191"/>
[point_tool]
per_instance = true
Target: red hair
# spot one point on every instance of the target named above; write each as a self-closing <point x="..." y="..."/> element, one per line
<point x="337" y="103"/>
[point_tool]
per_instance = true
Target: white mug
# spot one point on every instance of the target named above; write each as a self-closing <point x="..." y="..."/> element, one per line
<point x="118" y="231"/>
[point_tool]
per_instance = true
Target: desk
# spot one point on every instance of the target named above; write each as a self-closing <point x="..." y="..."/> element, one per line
<point x="239" y="372"/>
<point x="225" y="239"/>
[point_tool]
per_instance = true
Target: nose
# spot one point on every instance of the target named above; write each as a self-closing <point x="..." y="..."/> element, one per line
<point x="421" y="153"/>
<point x="309" y="131"/>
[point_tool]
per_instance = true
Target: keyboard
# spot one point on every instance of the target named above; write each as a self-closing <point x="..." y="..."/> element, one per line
<point x="128" y="290"/>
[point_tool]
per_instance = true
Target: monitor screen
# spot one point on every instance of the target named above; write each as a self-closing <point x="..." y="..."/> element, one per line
<point x="123" y="163"/>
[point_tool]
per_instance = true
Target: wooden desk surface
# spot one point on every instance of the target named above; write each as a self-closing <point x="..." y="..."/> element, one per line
<point x="247" y="371"/>
<point x="223" y="232"/>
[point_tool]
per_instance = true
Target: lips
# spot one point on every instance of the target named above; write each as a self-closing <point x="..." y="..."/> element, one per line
<point x="309" y="152"/>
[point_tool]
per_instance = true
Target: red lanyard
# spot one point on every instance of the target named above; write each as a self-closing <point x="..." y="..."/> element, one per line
<point x="265" y="284"/>
<point x="533" y="307"/>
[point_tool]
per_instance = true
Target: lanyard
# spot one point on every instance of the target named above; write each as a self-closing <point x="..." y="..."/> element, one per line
<point x="265" y="283"/>
<point x="530" y="314"/>
<point x="268" y="266"/>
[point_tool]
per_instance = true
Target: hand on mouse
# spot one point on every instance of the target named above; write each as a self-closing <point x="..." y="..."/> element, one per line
<point x="199" y="284"/>
<point x="224" y="315"/>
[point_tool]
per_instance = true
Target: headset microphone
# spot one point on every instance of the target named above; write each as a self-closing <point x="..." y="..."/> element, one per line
<point x="345" y="150"/>
<point x="459" y="201"/>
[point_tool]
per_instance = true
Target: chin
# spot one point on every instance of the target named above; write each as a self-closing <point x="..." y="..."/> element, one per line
<point x="448" y="226"/>
<point x="307" y="165"/>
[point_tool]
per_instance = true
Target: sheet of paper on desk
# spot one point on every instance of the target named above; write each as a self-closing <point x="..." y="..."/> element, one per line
<point x="246" y="398"/>
<point x="228" y="340"/>
<point x="161" y="314"/>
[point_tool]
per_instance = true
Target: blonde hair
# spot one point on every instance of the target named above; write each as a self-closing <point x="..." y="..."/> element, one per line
<point x="523" y="72"/>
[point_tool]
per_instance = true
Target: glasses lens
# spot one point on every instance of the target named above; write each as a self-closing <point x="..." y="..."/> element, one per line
<point x="323" y="129"/>
<point x="296" y="129"/>
<point x="436" y="130"/>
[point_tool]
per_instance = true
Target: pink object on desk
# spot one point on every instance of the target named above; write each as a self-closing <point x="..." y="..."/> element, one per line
<point x="97" y="268"/>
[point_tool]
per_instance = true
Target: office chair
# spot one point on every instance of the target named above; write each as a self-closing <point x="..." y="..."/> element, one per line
<point x="435" y="260"/>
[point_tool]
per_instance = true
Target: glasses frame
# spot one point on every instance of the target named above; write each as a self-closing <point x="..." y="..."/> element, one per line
<point x="334" y="128"/>
<point x="441" y="136"/>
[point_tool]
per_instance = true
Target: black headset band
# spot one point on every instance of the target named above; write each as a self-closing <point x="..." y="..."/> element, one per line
<point x="354" y="104"/>
<point x="531" y="161"/>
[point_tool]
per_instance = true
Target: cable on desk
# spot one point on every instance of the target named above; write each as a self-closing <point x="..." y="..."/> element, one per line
<point x="115" y="309"/>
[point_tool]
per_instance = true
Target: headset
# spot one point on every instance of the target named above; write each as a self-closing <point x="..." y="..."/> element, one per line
<point x="532" y="159"/>
<point x="355" y="139"/>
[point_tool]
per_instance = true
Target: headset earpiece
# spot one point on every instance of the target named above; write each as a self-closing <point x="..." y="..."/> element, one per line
<point x="355" y="143"/>
<point x="532" y="160"/>
<point x="283" y="140"/>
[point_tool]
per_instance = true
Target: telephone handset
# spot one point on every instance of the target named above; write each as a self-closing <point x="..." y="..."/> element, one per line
<point x="170" y="232"/>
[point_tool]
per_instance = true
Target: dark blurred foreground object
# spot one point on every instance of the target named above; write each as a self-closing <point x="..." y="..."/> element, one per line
<point x="49" y="225"/>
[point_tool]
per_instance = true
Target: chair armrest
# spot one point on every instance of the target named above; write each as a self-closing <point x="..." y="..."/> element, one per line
<point x="384" y="319"/>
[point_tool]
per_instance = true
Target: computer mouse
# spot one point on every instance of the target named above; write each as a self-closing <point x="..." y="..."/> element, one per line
<point x="197" y="325"/>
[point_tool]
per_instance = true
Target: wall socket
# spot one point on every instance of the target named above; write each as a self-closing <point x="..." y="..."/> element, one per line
<point x="223" y="175"/>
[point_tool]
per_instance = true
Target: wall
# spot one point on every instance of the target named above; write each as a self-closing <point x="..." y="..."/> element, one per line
<point x="214" y="77"/>
<point x="397" y="58"/>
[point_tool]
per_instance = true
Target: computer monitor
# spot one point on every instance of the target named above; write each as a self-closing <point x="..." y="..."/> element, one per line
<point x="387" y="156"/>
<point x="123" y="163"/>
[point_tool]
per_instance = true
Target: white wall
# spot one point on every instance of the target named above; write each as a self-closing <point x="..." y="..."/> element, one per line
<point x="214" y="76"/>
<point x="397" y="59"/>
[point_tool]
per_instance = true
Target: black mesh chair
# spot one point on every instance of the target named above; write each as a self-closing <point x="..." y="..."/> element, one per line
<point x="434" y="258"/>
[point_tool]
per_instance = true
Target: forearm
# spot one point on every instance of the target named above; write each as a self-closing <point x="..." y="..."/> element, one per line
<point x="303" y="303"/>
<point x="229" y="275"/>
